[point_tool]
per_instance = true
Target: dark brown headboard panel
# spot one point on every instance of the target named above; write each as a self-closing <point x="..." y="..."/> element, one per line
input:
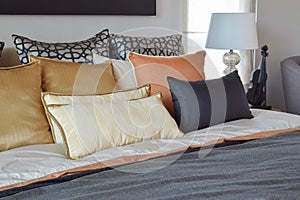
<point x="75" y="7"/>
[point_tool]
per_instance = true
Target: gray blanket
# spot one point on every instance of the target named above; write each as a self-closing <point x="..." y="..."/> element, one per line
<point x="267" y="168"/>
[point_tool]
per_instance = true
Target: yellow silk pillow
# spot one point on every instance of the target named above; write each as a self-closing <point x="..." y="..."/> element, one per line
<point x="88" y="128"/>
<point x="22" y="120"/>
<point x="69" y="77"/>
<point x="50" y="99"/>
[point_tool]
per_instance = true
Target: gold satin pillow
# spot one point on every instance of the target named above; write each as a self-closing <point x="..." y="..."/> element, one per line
<point x="22" y="120"/>
<point x="50" y="99"/>
<point x="76" y="78"/>
<point x="155" y="69"/>
<point x="88" y="128"/>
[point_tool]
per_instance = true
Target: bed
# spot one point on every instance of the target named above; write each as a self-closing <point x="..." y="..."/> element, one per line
<point x="68" y="143"/>
<point x="243" y="167"/>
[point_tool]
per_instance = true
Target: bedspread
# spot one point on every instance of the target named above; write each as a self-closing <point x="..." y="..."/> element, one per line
<point x="38" y="164"/>
<point x="267" y="168"/>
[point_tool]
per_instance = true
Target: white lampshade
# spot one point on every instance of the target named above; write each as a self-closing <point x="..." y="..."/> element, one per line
<point x="236" y="31"/>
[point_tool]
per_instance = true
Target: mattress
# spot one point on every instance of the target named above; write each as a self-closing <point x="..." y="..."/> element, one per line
<point x="231" y="171"/>
<point x="31" y="164"/>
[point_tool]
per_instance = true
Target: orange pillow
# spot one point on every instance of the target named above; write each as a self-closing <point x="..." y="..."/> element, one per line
<point x="155" y="69"/>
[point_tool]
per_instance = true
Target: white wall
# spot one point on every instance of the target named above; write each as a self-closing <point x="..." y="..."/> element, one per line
<point x="72" y="28"/>
<point x="279" y="27"/>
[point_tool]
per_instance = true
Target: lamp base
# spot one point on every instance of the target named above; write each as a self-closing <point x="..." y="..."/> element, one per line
<point x="229" y="69"/>
<point x="231" y="59"/>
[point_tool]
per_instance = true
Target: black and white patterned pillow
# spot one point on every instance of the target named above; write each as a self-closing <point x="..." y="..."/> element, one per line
<point x="170" y="45"/>
<point x="1" y="47"/>
<point x="156" y="52"/>
<point x="81" y="51"/>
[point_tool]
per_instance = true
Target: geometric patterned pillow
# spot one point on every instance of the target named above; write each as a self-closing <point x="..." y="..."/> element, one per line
<point x="1" y="47"/>
<point x="81" y="51"/>
<point x="156" y="52"/>
<point x="121" y="45"/>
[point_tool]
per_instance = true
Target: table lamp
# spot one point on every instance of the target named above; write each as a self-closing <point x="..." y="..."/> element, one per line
<point x="233" y="31"/>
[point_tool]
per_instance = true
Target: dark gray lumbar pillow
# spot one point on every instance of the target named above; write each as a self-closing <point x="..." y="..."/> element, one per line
<point x="200" y="104"/>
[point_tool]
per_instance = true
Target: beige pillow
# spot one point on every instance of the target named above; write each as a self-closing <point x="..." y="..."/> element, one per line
<point x="123" y="72"/>
<point x="50" y="99"/>
<point x="69" y="77"/>
<point x="22" y="120"/>
<point x="88" y="128"/>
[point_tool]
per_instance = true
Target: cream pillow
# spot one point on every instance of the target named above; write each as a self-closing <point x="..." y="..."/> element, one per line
<point x="91" y="127"/>
<point x="50" y="99"/>
<point x="123" y="72"/>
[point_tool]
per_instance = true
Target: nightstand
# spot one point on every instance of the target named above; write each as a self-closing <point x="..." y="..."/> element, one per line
<point x="276" y="109"/>
<point x="262" y="107"/>
<point x="267" y="108"/>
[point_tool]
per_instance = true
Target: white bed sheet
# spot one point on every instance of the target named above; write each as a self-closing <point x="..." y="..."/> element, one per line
<point x="36" y="161"/>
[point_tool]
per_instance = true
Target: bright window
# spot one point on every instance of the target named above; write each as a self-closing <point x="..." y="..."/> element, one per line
<point x="198" y="13"/>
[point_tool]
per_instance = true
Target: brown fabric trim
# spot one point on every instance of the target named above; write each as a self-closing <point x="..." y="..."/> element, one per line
<point x="147" y="86"/>
<point x="211" y="143"/>
<point x="137" y="158"/>
<point x="100" y="165"/>
<point x="262" y="134"/>
<point x="20" y="66"/>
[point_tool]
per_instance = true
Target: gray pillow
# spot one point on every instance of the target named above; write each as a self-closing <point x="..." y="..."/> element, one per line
<point x="81" y="51"/>
<point x="201" y="104"/>
<point x="170" y="45"/>
<point x="1" y="47"/>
